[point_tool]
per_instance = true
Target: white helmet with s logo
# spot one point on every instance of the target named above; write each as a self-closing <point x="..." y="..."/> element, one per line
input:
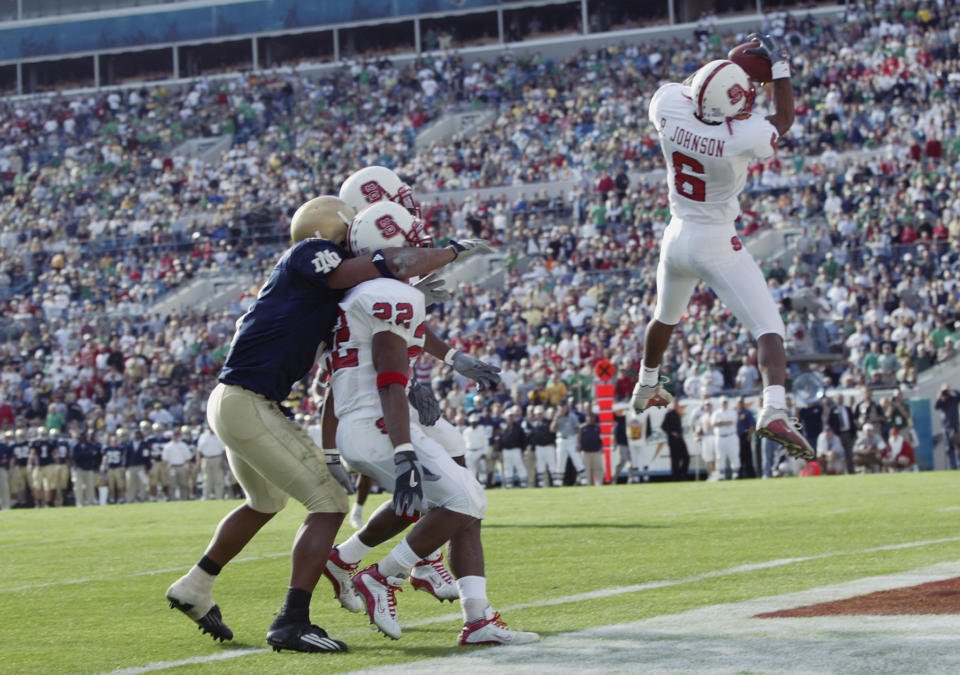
<point x="720" y="91"/>
<point x="372" y="184"/>
<point x="385" y="225"/>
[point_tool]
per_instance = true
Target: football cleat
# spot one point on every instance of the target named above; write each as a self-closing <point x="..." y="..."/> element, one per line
<point x="199" y="606"/>
<point x="379" y="595"/>
<point x="339" y="573"/>
<point x="775" y="425"/>
<point x="432" y="576"/>
<point x="491" y="630"/>
<point x="302" y="637"/>
<point x="650" y="397"/>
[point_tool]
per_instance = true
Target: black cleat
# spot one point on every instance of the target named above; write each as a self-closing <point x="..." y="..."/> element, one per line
<point x="302" y="637"/>
<point x="210" y="623"/>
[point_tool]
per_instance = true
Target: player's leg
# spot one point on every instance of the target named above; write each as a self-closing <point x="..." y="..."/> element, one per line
<point x="740" y="285"/>
<point x="675" y="284"/>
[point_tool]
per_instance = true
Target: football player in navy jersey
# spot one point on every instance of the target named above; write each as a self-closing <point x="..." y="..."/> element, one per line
<point x="113" y="453"/>
<point x="41" y="476"/>
<point x="273" y="458"/>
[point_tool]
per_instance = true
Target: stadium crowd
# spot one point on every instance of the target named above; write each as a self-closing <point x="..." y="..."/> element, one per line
<point x="100" y="218"/>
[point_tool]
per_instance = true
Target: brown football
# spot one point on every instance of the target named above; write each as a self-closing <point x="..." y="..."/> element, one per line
<point x="756" y="67"/>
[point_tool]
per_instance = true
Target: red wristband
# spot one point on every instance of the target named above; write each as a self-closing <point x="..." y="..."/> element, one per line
<point x="391" y="377"/>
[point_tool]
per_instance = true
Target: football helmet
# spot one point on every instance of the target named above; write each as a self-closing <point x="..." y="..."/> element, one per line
<point x="385" y="225"/>
<point x="41" y="432"/>
<point x="720" y="91"/>
<point x="372" y="184"/>
<point x="321" y="218"/>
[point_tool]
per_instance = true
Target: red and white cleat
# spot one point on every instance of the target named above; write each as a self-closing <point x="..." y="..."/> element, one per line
<point x="379" y="594"/>
<point x="339" y="573"/>
<point x="431" y="575"/>
<point x="775" y="425"/>
<point x="491" y="630"/>
<point x="650" y="397"/>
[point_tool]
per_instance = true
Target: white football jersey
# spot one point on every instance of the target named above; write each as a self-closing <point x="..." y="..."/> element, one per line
<point x="706" y="163"/>
<point x="367" y="309"/>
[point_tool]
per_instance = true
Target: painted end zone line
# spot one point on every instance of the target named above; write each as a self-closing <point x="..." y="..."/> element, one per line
<point x="579" y="597"/>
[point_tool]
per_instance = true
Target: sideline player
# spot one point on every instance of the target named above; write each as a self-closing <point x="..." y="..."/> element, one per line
<point x="708" y="135"/>
<point x="382" y="326"/>
<point x="271" y="456"/>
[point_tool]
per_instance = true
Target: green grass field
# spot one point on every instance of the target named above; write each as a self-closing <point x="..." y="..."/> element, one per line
<point x="82" y="589"/>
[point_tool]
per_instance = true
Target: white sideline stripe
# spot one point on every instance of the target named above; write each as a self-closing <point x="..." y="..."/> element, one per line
<point x="729" y="639"/>
<point x="168" y="570"/>
<point x="579" y="597"/>
<point x="194" y="660"/>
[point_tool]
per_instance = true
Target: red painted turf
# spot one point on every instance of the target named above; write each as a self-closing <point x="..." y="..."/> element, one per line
<point x="937" y="597"/>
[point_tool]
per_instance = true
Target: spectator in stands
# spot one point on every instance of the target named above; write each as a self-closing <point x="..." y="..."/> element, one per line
<point x="901" y="455"/>
<point x="869" y="449"/>
<point x="830" y="451"/>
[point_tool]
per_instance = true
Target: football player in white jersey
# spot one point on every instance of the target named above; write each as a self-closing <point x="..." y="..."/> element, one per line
<point x="381" y="328"/>
<point x="708" y="135"/>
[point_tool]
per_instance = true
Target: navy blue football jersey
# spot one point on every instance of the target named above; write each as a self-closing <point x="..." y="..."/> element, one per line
<point x="6" y="454"/>
<point x="114" y="455"/>
<point x="277" y="339"/>
<point x="43" y="450"/>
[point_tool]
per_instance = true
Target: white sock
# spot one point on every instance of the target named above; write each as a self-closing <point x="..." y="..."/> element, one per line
<point x="436" y="555"/>
<point x="776" y="396"/>
<point x="399" y="561"/>
<point x="473" y="597"/>
<point x="198" y="578"/>
<point x="353" y="550"/>
<point x="358" y="509"/>
<point x="649" y="377"/>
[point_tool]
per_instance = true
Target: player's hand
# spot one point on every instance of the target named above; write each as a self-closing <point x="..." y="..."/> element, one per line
<point x="433" y="290"/>
<point x="485" y="374"/>
<point x="338" y="472"/>
<point x="769" y="48"/>
<point x="408" y="486"/>
<point x="465" y="248"/>
<point x="424" y="402"/>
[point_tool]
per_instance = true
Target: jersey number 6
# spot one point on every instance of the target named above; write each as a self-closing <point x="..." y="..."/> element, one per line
<point x="689" y="186"/>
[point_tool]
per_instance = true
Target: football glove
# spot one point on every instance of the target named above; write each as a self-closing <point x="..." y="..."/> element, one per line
<point x="424" y="402"/>
<point x="769" y="48"/>
<point x="408" y="484"/>
<point x="433" y="290"/>
<point x="465" y="248"/>
<point x="337" y="471"/>
<point x="485" y="374"/>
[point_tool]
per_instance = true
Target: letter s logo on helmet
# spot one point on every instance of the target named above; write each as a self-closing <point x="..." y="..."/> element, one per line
<point x="379" y="226"/>
<point x="373" y="184"/>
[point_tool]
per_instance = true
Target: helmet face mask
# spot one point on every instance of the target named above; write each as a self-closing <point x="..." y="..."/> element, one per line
<point x="386" y="225"/>
<point x="374" y="184"/>
<point x="721" y="91"/>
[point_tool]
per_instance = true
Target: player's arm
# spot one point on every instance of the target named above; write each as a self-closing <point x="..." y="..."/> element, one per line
<point x="328" y="436"/>
<point x="782" y="118"/>
<point x="391" y="364"/>
<point x="484" y="374"/>
<point x="769" y="48"/>
<point x="401" y="263"/>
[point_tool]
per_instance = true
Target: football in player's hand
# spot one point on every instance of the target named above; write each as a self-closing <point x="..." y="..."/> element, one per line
<point x="756" y="67"/>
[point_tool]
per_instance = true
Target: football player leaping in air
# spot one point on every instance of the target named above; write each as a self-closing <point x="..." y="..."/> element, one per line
<point x="708" y="135"/>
